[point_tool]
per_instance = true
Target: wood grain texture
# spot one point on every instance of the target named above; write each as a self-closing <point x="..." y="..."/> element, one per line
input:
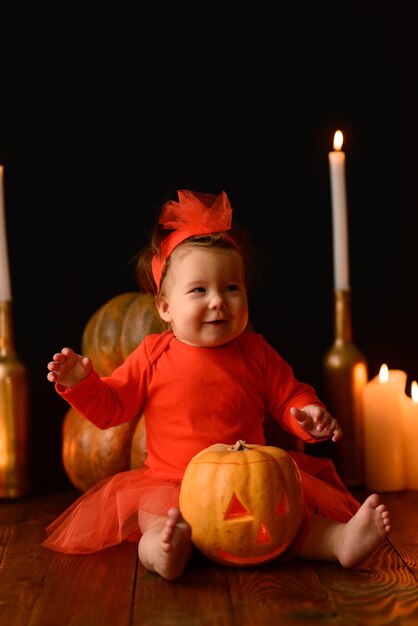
<point x="404" y="537"/>
<point x="39" y="587"/>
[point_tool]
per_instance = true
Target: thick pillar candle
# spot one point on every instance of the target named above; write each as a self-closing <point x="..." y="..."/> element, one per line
<point x="383" y="409"/>
<point x="5" y="291"/>
<point x="411" y="438"/>
<point x="339" y="214"/>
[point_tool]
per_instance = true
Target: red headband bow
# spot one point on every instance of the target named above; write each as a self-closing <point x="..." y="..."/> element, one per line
<point x="194" y="214"/>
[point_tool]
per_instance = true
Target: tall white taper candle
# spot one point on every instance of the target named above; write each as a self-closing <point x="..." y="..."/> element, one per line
<point x="339" y="214"/>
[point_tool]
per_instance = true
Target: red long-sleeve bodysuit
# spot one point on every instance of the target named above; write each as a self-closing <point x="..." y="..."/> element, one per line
<point x="191" y="397"/>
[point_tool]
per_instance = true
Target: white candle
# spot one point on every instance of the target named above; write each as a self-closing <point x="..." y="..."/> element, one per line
<point x="5" y="291"/>
<point x="411" y="438"/>
<point x="339" y="213"/>
<point x="383" y="408"/>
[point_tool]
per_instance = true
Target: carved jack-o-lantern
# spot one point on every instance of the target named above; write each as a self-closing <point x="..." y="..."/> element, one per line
<point x="243" y="502"/>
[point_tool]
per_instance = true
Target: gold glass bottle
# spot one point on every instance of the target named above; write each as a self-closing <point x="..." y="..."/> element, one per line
<point x="14" y="418"/>
<point x="345" y="374"/>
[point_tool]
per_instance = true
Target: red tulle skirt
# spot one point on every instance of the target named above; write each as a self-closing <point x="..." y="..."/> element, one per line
<point x="116" y="508"/>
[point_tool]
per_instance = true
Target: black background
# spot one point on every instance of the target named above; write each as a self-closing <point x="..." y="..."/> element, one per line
<point x="91" y="150"/>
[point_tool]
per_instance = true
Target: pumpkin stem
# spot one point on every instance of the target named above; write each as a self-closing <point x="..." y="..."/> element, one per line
<point x="240" y="445"/>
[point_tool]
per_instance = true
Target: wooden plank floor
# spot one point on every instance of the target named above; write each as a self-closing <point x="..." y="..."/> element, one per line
<point x="43" y="588"/>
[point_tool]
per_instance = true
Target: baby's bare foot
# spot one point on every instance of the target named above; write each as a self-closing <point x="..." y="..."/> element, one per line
<point x="175" y="547"/>
<point x="366" y="530"/>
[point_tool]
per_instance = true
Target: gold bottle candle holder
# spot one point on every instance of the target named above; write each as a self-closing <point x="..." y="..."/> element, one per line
<point x="14" y="419"/>
<point x="345" y="374"/>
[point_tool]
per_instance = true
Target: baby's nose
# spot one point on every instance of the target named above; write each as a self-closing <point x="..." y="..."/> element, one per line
<point x="217" y="301"/>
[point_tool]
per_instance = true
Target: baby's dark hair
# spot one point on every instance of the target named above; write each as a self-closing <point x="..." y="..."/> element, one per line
<point x="144" y="274"/>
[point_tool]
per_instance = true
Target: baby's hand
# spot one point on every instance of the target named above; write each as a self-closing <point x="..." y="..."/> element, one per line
<point x="317" y="422"/>
<point x="68" y="368"/>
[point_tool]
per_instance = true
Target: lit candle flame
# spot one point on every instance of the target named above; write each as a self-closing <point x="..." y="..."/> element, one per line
<point x="414" y="391"/>
<point x="384" y="373"/>
<point x="338" y="140"/>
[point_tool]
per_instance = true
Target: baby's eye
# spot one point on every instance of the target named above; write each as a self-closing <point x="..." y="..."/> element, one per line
<point x="199" y="290"/>
<point x="232" y="287"/>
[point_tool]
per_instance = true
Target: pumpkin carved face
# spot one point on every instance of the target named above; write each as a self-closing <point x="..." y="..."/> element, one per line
<point x="243" y="503"/>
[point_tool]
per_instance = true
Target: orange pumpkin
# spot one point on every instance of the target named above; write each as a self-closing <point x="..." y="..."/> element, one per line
<point x="117" y="327"/>
<point x="90" y="454"/>
<point x="243" y="502"/>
